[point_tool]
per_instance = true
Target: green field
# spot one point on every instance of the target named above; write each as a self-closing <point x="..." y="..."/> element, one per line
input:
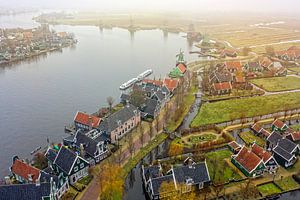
<point x="277" y="84"/>
<point x="222" y="111"/>
<point x="295" y="69"/>
<point x="249" y="138"/>
<point x="287" y="183"/>
<point x="268" y="189"/>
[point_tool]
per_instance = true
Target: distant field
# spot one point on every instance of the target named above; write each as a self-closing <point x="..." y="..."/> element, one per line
<point x="277" y="84"/>
<point x="222" y="111"/>
<point x="295" y="69"/>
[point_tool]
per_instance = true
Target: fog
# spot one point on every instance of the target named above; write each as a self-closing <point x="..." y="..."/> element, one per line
<point x="290" y="6"/>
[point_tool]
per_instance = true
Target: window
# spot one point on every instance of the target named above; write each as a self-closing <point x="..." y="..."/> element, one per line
<point x="78" y="161"/>
<point x="81" y="165"/>
<point x="75" y="169"/>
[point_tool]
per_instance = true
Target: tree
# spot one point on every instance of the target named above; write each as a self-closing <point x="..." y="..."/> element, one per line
<point x="248" y="190"/>
<point x="131" y="147"/>
<point x="151" y="130"/>
<point x="137" y="97"/>
<point x="110" y="181"/>
<point x="270" y="50"/>
<point x="141" y="135"/>
<point x="175" y="149"/>
<point x="110" y="101"/>
<point x="40" y="161"/>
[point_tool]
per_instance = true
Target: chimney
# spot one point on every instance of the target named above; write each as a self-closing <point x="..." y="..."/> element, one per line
<point x="190" y="163"/>
<point x="82" y="151"/>
<point x="90" y="122"/>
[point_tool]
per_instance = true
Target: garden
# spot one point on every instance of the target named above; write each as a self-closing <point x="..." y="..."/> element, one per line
<point x="268" y="189"/>
<point x="249" y="138"/>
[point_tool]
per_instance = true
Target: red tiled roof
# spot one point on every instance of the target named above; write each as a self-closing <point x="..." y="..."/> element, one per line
<point x="222" y="86"/>
<point x="234" y="65"/>
<point x="278" y="123"/>
<point x="234" y="145"/>
<point x="280" y="53"/>
<point x="260" y="152"/>
<point x="154" y="82"/>
<point x="247" y="159"/>
<point x="294" y="48"/>
<point x="265" y="62"/>
<point x="24" y="170"/>
<point x="181" y="67"/>
<point x="291" y="54"/>
<point x="265" y="132"/>
<point x="84" y="118"/>
<point x="171" y="84"/>
<point x="296" y="136"/>
<point x="257" y="127"/>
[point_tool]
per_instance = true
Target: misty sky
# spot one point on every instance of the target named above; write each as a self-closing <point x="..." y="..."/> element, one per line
<point x="154" y="5"/>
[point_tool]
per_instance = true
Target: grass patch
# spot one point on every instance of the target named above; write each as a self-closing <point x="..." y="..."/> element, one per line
<point x="268" y="189"/>
<point x="70" y="194"/>
<point x="222" y="172"/>
<point x="86" y="180"/>
<point x="250" y="138"/>
<point x="223" y="111"/>
<point x="296" y="127"/>
<point x="202" y="138"/>
<point x="277" y="84"/>
<point x="188" y="100"/>
<point x="295" y="69"/>
<point x="287" y="183"/>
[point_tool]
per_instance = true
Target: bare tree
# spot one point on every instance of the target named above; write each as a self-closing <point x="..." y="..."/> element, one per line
<point x="110" y="101"/>
<point x="131" y="147"/>
<point x="141" y="135"/>
<point x="151" y="130"/>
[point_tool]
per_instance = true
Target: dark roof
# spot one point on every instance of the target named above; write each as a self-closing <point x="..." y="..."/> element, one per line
<point x="151" y="172"/>
<point x="65" y="159"/>
<point x="220" y="76"/>
<point x="46" y="178"/>
<point x="156" y="184"/>
<point x="124" y="97"/>
<point x="274" y="137"/>
<point x="90" y="145"/>
<point x="111" y="122"/>
<point x="287" y="145"/>
<point x="151" y="105"/>
<point x="197" y="172"/>
<point x="51" y="154"/>
<point x="254" y="64"/>
<point x="282" y="153"/>
<point x="24" y="191"/>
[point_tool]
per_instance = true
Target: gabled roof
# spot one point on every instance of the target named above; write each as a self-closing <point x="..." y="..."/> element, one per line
<point x="256" y="127"/>
<point x="157" y="182"/>
<point x="84" y="118"/>
<point x="112" y="122"/>
<point x="171" y="84"/>
<point x="234" y="65"/>
<point x="260" y="152"/>
<point x="90" y="145"/>
<point x="265" y="62"/>
<point x="282" y="153"/>
<point x="240" y="79"/>
<point x="25" y="170"/>
<point x="278" y="123"/>
<point x="274" y="137"/>
<point x="151" y="172"/>
<point x="24" y="191"/>
<point x="51" y="154"/>
<point x="151" y="106"/>
<point x="234" y="145"/>
<point x="181" y="67"/>
<point x="154" y="82"/>
<point x="220" y="76"/>
<point x="265" y="132"/>
<point x="295" y="136"/>
<point x="222" y="86"/>
<point x="287" y="145"/>
<point x="248" y="159"/>
<point x="197" y="173"/>
<point x="65" y="159"/>
<point x="254" y="64"/>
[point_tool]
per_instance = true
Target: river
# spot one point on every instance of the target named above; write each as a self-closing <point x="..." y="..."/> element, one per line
<point x="41" y="95"/>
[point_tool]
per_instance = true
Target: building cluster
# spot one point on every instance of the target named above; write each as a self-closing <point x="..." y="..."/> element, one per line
<point x="235" y="74"/>
<point x="18" y="44"/>
<point x="291" y="54"/>
<point x="178" y="179"/>
<point x="88" y="143"/>
<point x="281" y="149"/>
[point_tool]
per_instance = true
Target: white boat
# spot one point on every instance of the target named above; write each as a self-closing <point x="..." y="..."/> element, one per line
<point x="144" y="74"/>
<point x="128" y="84"/>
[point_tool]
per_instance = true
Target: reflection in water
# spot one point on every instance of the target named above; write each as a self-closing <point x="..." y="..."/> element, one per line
<point x="165" y="34"/>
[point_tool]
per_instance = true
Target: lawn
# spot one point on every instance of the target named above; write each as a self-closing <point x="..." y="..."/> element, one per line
<point x="250" y="138"/>
<point x="287" y="183"/>
<point x="277" y="84"/>
<point x="223" y="111"/>
<point x="296" y="127"/>
<point x="295" y="69"/>
<point x="221" y="172"/>
<point x="202" y="138"/>
<point x="268" y="189"/>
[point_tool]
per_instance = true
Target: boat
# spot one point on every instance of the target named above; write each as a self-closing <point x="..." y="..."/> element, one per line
<point x="34" y="151"/>
<point x="144" y="74"/>
<point x="128" y="84"/>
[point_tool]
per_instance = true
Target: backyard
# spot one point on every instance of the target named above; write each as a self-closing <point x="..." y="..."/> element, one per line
<point x="249" y="138"/>
<point x="223" y="111"/>
<point x="277" y="84"/>
<point x="268" y="189"/>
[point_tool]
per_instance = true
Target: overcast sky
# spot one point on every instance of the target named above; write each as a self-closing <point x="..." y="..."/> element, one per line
<point x="154" y="5"/>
